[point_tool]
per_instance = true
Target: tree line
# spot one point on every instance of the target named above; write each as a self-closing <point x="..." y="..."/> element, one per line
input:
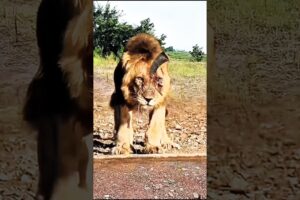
<point x="111" y="35"/>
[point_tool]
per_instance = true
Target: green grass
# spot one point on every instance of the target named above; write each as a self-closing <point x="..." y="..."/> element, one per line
<point x="182" y="55"/>
<point x="179" y="55"/>
<point x="187" y="69"/>
<point x="108" y="62"/>
<point x="178" y="68"/>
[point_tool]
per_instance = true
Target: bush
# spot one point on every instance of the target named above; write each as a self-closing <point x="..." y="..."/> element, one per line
<point x="197" y="53"/>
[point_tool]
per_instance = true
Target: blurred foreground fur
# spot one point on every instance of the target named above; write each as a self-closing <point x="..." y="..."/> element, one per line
<point x="142" y="82"/>
<point x="59" y="98"/>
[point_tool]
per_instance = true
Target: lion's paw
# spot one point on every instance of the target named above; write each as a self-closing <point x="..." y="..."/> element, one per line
<point x="151" y="149"/>
<point x="122" y="149"/>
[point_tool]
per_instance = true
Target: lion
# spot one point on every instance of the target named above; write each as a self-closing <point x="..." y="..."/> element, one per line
<point x="59" y="99"/>
<point x="141" y="80"/>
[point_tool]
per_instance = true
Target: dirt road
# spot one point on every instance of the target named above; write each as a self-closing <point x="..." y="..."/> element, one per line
<point x="150" y="179"/>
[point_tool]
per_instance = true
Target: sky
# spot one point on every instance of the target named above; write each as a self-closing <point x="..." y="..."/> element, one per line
<point x="183" y="22"/>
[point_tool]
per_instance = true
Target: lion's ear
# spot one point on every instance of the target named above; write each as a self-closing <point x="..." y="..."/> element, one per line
<point x="159" y="60"/>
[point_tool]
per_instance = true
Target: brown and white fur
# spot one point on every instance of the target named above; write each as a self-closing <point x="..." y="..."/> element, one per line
<point x="59" y="102"/>
<point x="141" y="80"/>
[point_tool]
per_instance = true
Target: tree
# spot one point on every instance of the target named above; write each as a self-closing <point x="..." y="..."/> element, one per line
<point x="197" y="53"/>
<point x="170" y="48"/>
<point x="111" y="35"/>
<point x="146" y="26"/>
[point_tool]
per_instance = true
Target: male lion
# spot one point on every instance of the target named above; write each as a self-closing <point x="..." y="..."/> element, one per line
<point x="59" y="101"/>
<point x="141" y="80"/>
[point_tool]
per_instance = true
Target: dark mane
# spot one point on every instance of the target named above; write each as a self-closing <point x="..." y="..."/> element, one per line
<point x="144" y="44"/>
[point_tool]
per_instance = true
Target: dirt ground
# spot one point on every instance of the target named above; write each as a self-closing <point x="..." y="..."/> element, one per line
<point x="150" y="179"/>
<point x="253" y="106"/>
<point x="186" y="120"/>
<point x="18" y="63"/>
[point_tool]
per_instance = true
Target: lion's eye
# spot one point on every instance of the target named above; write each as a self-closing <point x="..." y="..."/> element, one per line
<point x="139" y="80"/>
<point x="160" y="81"/>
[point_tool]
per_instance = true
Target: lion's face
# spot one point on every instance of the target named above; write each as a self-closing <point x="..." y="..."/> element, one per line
<point x="141" y="77"/>
<point x="146" y="88"/>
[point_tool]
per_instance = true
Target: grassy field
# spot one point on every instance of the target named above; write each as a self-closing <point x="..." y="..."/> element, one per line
<point x="178" y="67"/>
<point x="182" y="55"/>
<point x="179" y="55"/>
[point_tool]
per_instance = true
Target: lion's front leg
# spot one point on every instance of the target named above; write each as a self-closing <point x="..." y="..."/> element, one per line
<point x="124" y="130"/>
<point x="156" y="135"/>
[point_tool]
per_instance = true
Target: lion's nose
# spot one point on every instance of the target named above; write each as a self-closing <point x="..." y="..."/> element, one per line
<point x="148" y="99"/>
<point x="148" y="94"/>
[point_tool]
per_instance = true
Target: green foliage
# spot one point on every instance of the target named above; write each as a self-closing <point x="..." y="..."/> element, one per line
<point x="111" y="35"/>
<point x="197" y="53"/>
<point x="145" y="27"/>
<point x="170" y="49"/>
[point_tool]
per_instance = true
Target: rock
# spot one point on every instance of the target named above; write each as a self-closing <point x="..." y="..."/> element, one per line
<point x="147" y="188"/>
<point x="158" y="186"/>
<point x="4" y="177"/>
<point x="106" y="196"/>
<point x="178" y="127"/>
<point x="266" y="125"/>
<point x="288" y="142"/>
<point x="196" y="195"/>
<point x="171" y="194"/>
<point x="170" y="181"/>
<point x="293" y="180"/>
<point x="238" y="183"/>
<point x="260" y="196"/>
<point x="183" y="136"/>
<point x="297" y="154"/>
<point x="26" y="179"/>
